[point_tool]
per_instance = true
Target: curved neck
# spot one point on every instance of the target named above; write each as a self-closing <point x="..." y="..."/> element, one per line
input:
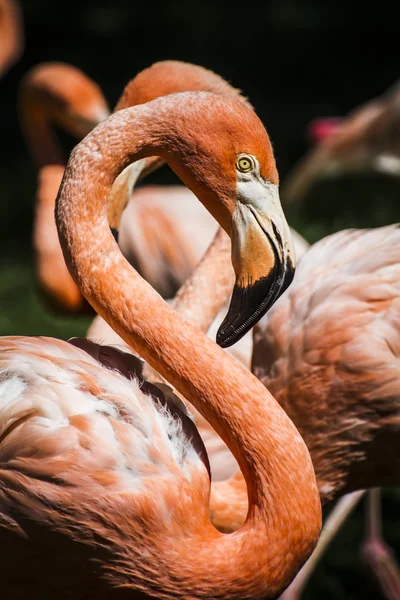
<point x="193" y="302"/>
<point x="284" y="509"/>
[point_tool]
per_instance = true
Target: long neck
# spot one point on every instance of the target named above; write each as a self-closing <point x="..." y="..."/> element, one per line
<point x="284" y="509"/>
<point x="193" y="302"/>
<point x="54" y="282"/>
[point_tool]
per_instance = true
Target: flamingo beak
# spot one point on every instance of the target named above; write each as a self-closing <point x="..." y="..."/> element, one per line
<point x="264" y="262"/>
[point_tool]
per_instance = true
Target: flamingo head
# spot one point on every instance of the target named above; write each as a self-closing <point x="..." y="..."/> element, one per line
<point x="170" y="77"/>
<point x="69" y="98"/>
<point x="230" y="166"/>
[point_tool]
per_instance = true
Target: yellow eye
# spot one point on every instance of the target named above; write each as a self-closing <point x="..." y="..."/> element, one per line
<point x="245" y="164"/>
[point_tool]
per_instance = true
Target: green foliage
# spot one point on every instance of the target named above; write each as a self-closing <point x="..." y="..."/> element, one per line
<point x="21" y="312"/>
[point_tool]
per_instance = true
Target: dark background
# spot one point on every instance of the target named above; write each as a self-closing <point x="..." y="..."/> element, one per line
<point x="295" y="60"/>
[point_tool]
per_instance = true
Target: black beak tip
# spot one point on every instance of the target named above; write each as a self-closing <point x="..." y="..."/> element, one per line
<point x="222" y="338"/>
<point x="246" y="307"/>
<point x="249" y="304"/>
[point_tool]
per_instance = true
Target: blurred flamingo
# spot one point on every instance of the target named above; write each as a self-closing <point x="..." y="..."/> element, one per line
<point x="11" y="35"/>
<point x="55" y="94"/>
<point x="363" y="143"/>
<point x="105" y="490"/>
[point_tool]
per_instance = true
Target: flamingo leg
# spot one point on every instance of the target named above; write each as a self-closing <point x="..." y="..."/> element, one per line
<point x="333" y="523"/>
<point x="378" y="556"/>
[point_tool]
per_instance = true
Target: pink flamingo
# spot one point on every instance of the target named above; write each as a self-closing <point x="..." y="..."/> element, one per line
<point x="363" y="142"/>
<point x="104" y="491"/>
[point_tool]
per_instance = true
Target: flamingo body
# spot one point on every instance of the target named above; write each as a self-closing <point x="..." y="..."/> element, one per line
<point x="79" y="441"/>
<point x="332" y="345"/>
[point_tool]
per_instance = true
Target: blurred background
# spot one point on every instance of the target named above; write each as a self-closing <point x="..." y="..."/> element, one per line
<point x="294" y="59"/>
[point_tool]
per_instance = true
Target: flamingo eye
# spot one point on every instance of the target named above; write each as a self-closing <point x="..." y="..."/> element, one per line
<point x="245" y="163"/>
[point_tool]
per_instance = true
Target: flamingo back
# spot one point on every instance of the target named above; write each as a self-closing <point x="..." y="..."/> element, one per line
<point x="58" y="403"/>
<point x="90" y="466"/>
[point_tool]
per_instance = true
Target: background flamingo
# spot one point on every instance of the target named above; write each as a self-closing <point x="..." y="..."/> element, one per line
<point x="140" y="461"/>
<point x="359" y="153"/>
<point x="11" y="34"/>
<point x="55" y="94"/>
<point x="354" y="148"/>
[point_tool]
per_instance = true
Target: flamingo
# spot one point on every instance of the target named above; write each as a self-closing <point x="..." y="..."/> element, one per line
<point x="363" y="143"/>
<point x="74" y="100"/>
<point x="10" y="34"/>
<point x="55" y="94"/>
<point x="104" y="492"/>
